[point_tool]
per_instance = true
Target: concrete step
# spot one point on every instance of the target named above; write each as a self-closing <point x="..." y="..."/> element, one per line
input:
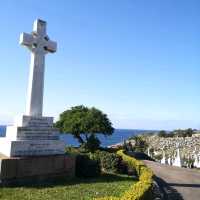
<point x="34" y="121"/>
<point x="32" y="128"/>
<point x="21" y="134"/>
<point x="31" y="147"/>
<point x="36" y="137"/>
<point x="34" y="132"/>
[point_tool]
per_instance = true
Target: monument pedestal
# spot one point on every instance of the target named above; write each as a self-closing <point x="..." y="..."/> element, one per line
<point x="20" y="170"/>
<point x="32" y="136"/>
<point x="32" y="151"/>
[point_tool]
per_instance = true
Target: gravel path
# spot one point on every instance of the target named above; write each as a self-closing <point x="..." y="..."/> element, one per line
<point x="176" y="183"/>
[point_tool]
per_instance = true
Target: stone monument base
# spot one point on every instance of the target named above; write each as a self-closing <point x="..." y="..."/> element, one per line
<point x="20" y="170"/>
<point x="32" y="136"/>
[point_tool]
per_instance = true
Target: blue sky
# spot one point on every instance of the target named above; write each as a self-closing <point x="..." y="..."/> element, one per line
<point x="137" y="60"/>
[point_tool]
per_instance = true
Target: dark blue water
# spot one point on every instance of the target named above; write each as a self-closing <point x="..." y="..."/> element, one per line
<point x="118" y="136"/>
<point x="2" y="131"/>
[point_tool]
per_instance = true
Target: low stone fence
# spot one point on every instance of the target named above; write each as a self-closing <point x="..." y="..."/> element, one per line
<point x="22" y="170"/>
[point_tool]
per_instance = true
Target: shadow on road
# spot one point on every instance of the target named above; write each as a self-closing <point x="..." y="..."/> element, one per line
<point x="169" y="193"/>
<point x="184" y="185"/>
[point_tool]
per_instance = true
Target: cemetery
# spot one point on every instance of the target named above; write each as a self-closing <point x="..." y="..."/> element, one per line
<point x="178" y="151"/>
<point x="35" y="163"/>
<point x="122" y="58"/>
<point x="175" y="151"/>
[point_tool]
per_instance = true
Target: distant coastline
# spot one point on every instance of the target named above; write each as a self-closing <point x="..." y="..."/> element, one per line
<point x="118" y="136"/>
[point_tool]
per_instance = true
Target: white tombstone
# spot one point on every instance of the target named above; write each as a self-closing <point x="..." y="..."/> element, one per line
<point x="189" y="164"/>
<point x="197" y="161"/>
<point x="177" y="161"/>
<point x="169" y="161"/>
<point x="163" y="160"/>
<point x="148" y="152"/>
<point x="34" y="134"/>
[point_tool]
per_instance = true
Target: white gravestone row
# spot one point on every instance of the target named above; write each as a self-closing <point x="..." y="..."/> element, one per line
<point x="172" y="160"/>
<point x="177" y="161"/>
<point x="34" y="134"/>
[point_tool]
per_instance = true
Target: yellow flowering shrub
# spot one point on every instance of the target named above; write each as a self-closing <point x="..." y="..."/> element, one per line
<point x="108" y="198"/>
<point x="142" y="190"/>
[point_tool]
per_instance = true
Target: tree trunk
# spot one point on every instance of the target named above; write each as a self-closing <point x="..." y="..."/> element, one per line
<point x="80" y="140"/>
<point x="86" y="137"/>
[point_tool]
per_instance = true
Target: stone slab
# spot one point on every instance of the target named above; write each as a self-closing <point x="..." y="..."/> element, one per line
<point x="33" y="121"/>
<point x="19" y="169"/>
<point x="35" y="137"/>
<point x="31" y="147"/>
<point x="26" y="133"/>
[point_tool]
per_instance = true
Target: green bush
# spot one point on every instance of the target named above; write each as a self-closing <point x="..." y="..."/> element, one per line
<point x="92" y="143"/>
<point x="124" y="169"/>
<point x="72" y="150"/>
<point x="110" y="162"/>
<point x="142" y="190"/>
<point x="85" y="167"/>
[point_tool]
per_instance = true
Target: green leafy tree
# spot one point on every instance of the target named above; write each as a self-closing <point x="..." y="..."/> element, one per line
<point x="184" y="133"/>
<point x="162" y="133"/>
<point x="84" y="123"/>
<point x="92" y="143"/>
<point x="140" y="144"/>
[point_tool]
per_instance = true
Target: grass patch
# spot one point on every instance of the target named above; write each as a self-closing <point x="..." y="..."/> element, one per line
<point x="76" y="189"/>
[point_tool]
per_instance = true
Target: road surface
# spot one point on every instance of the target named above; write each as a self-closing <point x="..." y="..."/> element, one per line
<point x="176" y="183"/>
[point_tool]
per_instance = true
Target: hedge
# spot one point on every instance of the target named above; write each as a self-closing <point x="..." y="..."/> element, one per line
<point x="142" y="190"/>
<point x="110" y="162"/>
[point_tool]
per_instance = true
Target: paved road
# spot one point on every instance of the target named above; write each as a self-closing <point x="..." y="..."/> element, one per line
<point x="177" y="183"/>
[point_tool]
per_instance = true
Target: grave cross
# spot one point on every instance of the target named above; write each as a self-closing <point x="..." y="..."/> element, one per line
<point x="39" y="44"/>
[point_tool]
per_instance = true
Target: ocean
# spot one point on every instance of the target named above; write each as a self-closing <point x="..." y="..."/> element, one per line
<point x="118" y="136"/>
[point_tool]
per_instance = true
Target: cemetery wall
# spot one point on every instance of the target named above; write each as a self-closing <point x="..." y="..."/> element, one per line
<point x="20" y="170"/>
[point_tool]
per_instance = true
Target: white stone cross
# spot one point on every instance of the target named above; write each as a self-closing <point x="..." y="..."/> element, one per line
<point x="39" y="44"/>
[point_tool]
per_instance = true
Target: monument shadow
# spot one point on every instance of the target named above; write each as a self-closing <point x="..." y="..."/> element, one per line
<point x="65" y="181"/>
